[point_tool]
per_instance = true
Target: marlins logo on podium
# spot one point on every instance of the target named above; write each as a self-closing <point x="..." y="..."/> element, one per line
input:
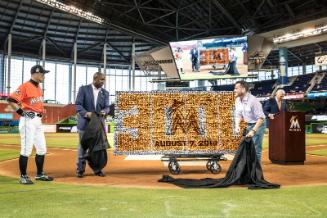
<point x="295" y="125"/>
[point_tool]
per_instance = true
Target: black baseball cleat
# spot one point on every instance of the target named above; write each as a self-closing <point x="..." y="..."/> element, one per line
<point x="43" y="177"/>
<point x="101" y="174"/>
<point x="25" y="180"/>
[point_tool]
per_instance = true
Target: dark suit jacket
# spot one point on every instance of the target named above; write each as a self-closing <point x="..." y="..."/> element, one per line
<point x="194" y="53"/>
<point x="271" y="107"/>
<point x="85" y="103"/>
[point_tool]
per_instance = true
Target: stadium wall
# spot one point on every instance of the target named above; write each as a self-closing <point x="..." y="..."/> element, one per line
<point x="54" y="112"/>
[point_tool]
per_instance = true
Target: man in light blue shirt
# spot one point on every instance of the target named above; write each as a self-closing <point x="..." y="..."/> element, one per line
<point x="249" y="109"/>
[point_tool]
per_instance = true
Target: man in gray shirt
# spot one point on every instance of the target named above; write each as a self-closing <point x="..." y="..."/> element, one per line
<point x="249" y="109"/>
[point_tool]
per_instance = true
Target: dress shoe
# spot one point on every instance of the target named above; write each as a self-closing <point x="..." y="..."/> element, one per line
<point x="79" y="175"/>
<point x="101" y="174"/>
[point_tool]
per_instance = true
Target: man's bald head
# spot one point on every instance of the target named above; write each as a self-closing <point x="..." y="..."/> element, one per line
<point x="99" y="79"/>
<point x="97" y="75"/>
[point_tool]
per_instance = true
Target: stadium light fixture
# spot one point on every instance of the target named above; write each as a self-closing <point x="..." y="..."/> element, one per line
<point x="302" y="34"/>
<point x="72" y="10"/>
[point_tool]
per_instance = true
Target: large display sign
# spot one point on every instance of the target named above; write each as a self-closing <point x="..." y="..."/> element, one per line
<point x="211" y="58"/>
<point x="177" y="122"/>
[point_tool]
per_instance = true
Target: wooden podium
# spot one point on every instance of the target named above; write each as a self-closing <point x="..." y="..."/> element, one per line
<point x="287" y="138"/>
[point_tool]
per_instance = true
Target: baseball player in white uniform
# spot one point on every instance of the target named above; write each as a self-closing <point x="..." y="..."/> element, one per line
<point x="27" y="101"/>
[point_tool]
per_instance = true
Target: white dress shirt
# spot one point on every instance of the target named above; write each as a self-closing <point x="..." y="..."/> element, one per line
<point x="95" y="95"/>
<point x="232" y="56"/>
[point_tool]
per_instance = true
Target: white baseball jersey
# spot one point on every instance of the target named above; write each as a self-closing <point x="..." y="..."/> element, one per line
<point x="29" y="96"/>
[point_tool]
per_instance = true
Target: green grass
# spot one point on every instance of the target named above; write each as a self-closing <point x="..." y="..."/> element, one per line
<point x="310" y="139"/>
<point x="65" y="200"/>
<point x="7" y="154"/>
<point x="322" y="152"/>
<point x="54" y="140"/>
<point x="60" y="200"/>
<point x="70" y="140"/>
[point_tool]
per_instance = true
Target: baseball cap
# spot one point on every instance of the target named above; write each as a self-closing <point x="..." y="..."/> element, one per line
<point x="38" y="69"/>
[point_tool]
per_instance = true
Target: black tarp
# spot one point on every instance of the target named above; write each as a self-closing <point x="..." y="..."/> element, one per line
<point x="95" y="143"/>
<point x="245" y="169"/>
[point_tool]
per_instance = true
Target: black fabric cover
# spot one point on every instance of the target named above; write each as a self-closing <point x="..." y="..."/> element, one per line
<point x="111" y="110"/>
<point x="244" y="170"/>
<point x="95" y="143"/>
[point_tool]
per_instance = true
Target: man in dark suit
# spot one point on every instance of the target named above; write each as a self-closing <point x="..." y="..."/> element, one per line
<point x="90" y="99"/>
<point x="275" y="105"/>
<point x="232" y="68"/>
<point x="194" y="59"/>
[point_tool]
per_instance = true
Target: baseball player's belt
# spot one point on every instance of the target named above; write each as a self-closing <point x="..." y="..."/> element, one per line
<point x="31" y="114"/>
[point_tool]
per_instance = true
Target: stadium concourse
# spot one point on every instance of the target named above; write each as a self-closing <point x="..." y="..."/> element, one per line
<point x="170" y="81"/>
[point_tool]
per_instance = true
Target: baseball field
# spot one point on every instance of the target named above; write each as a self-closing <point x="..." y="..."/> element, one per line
<point x="130" y="188"/>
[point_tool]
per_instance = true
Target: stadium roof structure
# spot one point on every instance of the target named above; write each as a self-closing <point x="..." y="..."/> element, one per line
<point x="30" y="22"/>
<point x="149" y="23"/>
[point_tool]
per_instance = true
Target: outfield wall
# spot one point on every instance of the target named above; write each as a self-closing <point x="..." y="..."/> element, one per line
<point x="54" y="112"/>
